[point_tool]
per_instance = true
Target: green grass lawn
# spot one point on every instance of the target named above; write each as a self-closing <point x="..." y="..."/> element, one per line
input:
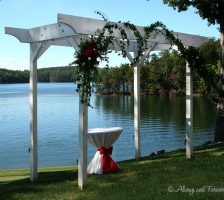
<point x="150" y="178"/>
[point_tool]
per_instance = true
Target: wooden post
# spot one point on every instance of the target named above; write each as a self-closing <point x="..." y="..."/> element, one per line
<point x="137" y="135"/>
<point x="83" y="129"/>
<point x="33" y="118"/>
<point x="137" y="109"/>
<point x="189" y="112"/>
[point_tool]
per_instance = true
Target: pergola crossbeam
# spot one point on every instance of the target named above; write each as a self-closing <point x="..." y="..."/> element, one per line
<point x="89" y="26"/>
<point x="74" y="43"/>
<point x="44" y="47"/>
<point x="146" y="53"/>
<point x="118" y="46"/>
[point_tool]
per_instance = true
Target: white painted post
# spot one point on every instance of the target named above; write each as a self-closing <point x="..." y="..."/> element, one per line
<point x="189" y="112"/>
<point x="33" y="118"/>
<point x="83" y="129"/>
<point x="137" y="135"/>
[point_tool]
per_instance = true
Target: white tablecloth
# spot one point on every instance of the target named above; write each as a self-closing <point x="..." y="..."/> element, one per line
<point x="101" y="137"/>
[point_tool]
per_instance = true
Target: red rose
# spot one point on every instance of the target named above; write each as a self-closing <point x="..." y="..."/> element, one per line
<point x="90" y="50"/>
<point x="87" y="53"/>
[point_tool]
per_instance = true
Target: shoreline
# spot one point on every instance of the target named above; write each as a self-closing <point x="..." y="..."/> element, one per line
<point x="158" y="153"/>
<point x="171" y="92"/>
<point x="148" y="94"/>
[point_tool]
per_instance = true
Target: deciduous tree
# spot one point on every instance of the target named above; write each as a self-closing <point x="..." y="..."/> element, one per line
<point x="212" y="11"/>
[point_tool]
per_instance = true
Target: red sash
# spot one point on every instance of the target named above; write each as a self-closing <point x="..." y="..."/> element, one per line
<point x="108" y="165"/>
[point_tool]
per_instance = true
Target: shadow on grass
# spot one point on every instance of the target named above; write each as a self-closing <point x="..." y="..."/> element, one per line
<point x="10" y="188"/>
<point x="57" y="176"/>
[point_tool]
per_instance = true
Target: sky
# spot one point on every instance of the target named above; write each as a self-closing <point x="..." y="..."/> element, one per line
<point x="33" y="13"/>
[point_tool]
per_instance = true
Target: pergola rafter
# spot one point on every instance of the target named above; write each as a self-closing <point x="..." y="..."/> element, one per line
<point x="68" y="31"/>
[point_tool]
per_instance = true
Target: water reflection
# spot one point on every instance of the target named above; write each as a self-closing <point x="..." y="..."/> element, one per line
<point x="162" y="121"/>
<point x="167" y="109"/>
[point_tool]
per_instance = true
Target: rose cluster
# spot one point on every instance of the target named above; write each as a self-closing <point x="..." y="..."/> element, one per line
<point x="89" y="54"/>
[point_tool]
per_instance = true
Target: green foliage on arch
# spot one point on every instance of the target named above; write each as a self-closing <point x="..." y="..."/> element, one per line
<point x="95" y="49"/>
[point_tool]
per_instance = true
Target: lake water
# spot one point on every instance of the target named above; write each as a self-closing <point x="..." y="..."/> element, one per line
<point x="162" y="124"/>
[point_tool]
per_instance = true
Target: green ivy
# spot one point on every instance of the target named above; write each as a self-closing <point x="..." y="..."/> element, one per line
<point x="95" y="49"/>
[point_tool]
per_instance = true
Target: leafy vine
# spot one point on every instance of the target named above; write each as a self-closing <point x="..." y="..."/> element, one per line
<point x="96" y="47"/>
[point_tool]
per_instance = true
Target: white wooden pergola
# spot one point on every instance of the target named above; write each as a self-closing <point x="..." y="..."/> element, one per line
<point x="67" y="32"/>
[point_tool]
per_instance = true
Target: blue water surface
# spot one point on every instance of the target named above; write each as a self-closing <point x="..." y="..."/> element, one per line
<point x="162" y="124"/>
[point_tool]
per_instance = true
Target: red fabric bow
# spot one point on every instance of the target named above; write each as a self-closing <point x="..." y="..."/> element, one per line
<point x="108" y="165"/>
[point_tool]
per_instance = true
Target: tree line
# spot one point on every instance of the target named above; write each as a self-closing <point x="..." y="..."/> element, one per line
<point x="52" y="74"/>
<point x="162" y="73"/>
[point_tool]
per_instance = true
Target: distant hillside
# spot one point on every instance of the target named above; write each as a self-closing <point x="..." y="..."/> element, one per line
<point x="52" y="74"/>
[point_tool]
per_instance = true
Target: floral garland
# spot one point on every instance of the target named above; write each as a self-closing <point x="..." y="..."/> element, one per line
<point x="86" y="68"/>
<point x="95" y="49"/>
